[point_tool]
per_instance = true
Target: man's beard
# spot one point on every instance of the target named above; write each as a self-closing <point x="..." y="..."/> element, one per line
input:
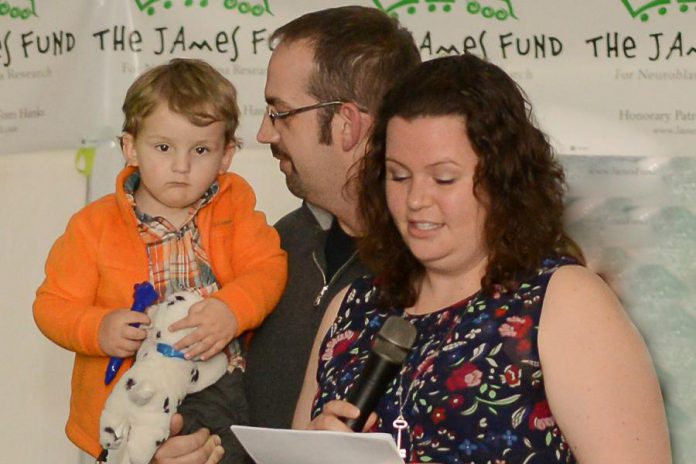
<point x="292" y="178"/>
<point x="295" y="186"/>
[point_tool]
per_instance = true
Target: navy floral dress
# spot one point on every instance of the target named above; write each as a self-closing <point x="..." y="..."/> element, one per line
<point x="472" y="387"/>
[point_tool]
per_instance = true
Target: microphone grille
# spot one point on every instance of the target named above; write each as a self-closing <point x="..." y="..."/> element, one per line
<point x="395" y="339"/>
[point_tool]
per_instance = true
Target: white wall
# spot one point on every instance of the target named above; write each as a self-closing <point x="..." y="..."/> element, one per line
<point x="40" y="192"/>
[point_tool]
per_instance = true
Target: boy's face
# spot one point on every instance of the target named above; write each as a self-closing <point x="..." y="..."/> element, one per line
<point x="177" y="160"/>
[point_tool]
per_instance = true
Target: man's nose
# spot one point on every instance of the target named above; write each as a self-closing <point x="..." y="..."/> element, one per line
<point x="267" y="132"/>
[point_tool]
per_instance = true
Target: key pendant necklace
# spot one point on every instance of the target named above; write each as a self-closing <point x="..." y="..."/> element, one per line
<point x="400" y="424"/>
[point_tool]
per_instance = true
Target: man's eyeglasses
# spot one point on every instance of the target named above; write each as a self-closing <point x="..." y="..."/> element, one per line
<point x="280" y="115"/>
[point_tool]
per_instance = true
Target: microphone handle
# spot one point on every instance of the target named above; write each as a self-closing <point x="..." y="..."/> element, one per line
<point x="371" y="386"/>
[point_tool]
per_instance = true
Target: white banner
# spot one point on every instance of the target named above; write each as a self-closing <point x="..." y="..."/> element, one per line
<point x="613" y="77"/>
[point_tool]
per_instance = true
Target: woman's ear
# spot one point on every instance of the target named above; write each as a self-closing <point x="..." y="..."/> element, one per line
<point x="356" y="123"/>
<point x="128" y="149"/>
<point x="226" y="161"/>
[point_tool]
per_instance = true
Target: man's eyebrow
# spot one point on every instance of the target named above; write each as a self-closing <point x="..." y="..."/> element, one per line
<point x="273" y="100"/>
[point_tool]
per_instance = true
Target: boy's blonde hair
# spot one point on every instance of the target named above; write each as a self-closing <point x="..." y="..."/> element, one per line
<point x="190" y="87"/>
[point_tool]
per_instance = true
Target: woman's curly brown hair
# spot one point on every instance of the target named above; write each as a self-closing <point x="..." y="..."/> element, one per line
<point x="523" y="183"/>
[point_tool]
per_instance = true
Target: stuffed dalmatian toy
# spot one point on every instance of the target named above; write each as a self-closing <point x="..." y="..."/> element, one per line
<point x="136" y="416"/>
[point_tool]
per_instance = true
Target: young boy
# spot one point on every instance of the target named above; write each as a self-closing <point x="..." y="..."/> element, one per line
<point x="179" y="221"/>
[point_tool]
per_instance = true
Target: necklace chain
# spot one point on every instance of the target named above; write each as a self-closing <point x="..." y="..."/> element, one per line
<point x="400" y="424"/>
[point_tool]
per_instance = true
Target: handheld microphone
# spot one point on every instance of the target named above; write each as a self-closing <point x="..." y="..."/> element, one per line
<point x="389" y="350"/>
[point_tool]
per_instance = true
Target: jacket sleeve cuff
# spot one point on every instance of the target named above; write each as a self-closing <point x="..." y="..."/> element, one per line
<point x="88" y="331"/>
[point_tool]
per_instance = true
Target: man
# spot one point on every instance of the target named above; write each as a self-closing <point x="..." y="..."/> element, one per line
<point x="326" y="78"/>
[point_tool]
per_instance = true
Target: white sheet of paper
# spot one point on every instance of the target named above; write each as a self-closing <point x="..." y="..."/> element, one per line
<point x="280" y="446"/>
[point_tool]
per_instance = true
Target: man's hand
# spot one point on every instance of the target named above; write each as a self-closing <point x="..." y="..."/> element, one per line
<point x="197" y="448"/>
<point x="216" y="327"/>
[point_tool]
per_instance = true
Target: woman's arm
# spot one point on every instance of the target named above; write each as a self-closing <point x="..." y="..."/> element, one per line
<point x="600" y="382"/>
<point x="303" y="410"/>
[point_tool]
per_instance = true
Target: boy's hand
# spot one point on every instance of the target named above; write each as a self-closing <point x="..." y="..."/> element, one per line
<point x="216" y="327"/>
<point x="117" y="337"/>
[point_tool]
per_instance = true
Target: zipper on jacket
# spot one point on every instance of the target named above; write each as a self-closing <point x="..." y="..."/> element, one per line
<point x="325" y="287"/>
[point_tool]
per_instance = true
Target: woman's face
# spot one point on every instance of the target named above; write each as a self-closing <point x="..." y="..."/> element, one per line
<point x="430" y="168"/>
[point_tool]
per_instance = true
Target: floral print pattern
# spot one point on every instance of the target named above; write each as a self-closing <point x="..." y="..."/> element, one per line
<point x="473" y="388"/>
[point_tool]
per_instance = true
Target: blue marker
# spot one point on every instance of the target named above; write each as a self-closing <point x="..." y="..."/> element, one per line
<point x="144" y="295"/>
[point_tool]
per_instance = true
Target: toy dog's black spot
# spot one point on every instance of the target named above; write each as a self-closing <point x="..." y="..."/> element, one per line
<point x="160" y="441"/>
<point x="158" y="334"/>
<point x="130" y="383"/>
<point x="194" y="375"/>
<point x="180" y="298"/>
<point x="166" y="405"/>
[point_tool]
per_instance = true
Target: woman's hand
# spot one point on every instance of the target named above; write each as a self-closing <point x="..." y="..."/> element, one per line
<point x="334" y="414"/>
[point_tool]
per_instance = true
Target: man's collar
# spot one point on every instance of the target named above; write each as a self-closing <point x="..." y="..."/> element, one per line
<point x="323" y="217"/>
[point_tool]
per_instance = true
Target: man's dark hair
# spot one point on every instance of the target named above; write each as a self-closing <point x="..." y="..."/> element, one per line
<point x="358" y="52"/>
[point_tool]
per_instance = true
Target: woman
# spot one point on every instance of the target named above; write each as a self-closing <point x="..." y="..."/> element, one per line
<point x="522" y="355"/>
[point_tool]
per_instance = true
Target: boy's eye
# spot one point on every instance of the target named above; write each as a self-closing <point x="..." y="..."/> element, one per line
<point x="445" y="180"/>
<point x="201" y="150"/>
<point x="163" y="147"/>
